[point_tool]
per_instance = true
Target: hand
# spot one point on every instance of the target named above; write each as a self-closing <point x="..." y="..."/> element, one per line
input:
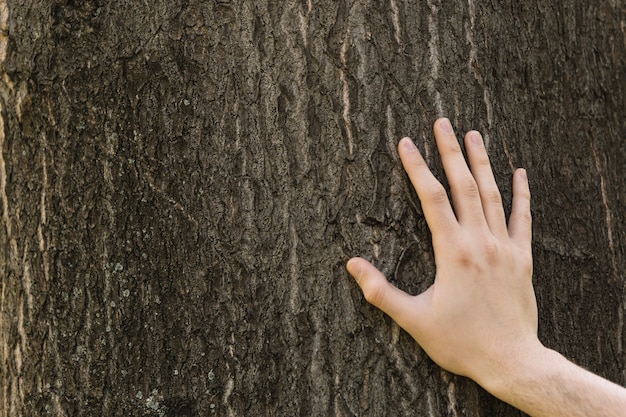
<point x="479" y="318"/>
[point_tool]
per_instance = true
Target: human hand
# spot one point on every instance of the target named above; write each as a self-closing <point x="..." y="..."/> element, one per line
<point x="479" y="317"/>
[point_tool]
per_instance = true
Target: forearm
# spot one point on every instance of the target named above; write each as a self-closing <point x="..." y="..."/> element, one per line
<point x="547" y="384"/>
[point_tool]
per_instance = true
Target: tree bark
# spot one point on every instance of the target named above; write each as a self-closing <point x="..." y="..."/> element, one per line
<point x="181" y="183"/>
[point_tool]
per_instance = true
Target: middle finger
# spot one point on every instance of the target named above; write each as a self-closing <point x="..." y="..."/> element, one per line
<point x="463" y="186"/>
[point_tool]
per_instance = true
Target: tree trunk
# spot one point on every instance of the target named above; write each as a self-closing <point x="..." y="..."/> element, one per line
<point x="181" y="183"/>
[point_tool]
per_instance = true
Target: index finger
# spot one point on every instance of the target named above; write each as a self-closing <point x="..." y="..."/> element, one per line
<point x="432" y="195"/>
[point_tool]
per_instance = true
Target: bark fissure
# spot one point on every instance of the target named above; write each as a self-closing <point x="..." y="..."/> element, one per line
<point x="181" y="184"/>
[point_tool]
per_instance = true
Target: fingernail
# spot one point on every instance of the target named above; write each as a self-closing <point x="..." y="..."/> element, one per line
<point x="445" y="125"/>
<point x="522" y="175"/>
<point x="351" y="266"/>
<point x="476" y="138"/>
<point x="408" y="144"/>
<point x="350" y="263"/>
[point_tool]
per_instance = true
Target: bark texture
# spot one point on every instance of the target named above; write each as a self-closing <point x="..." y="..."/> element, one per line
<point x="181" y="183"/>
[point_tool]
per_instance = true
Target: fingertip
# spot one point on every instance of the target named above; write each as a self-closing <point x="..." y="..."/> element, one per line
<point x="406" y="144"/>
<point x="520" y="221"/>
<point x="352" y="266"/>
<point x="381" y="293"/>
<point x="521" y="174"/>
<point x="359" y="269"/>
<point x="474" y="137"/>
<point x="520" y="183"/>
<point x="444" y="124"/>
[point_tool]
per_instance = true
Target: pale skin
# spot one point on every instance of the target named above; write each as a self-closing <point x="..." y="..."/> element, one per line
<point x="479" y="317"/>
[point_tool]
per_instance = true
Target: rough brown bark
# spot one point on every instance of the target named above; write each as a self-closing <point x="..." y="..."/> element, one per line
<point x="181" y="183"/>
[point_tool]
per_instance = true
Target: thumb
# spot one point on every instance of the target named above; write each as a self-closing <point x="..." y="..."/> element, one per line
<point x="397" y="304"/>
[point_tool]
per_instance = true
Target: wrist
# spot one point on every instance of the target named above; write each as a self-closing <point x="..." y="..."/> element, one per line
<point x="521" y="366"/>
<point x="544" y="383"/>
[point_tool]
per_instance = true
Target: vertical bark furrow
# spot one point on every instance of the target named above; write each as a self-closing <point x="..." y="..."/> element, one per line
<point x="181" y="184"/>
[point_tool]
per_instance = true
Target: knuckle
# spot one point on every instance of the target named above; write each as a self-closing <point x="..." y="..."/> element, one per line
<point x="374" y="293"/>
<point x="527" y="218"/>
<point x="492" y="195"/>
<point x="490" y="249"/>
<point x="478" y="253"/>
<point x="418" y="161"/>
<point x="464" y="255"/>
<point x="483" y="158"/>
<point x="523" y="194"/>
<point x="451" y="146"/>
<point x="526" y="263"/>
<point x="469" y="186"/>
<point x="436" y="194"/>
